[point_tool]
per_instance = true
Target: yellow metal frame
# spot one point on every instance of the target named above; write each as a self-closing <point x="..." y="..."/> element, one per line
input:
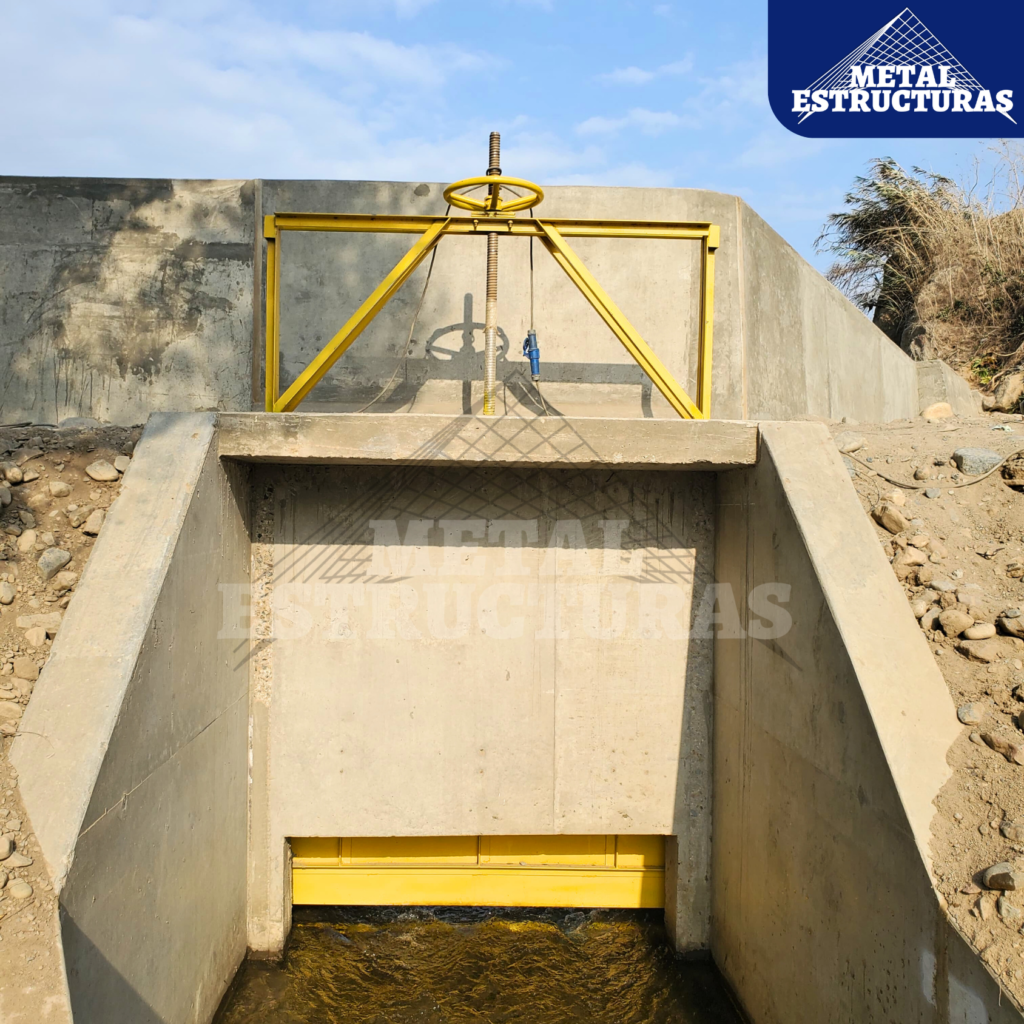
<point x="552" y="234"/>
<point x="516" y="871"/>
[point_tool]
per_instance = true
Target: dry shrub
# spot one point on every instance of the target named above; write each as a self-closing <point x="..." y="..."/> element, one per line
<point x="939" y="263"/>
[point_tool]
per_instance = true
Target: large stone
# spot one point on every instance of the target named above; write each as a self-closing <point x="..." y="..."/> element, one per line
<point x="27" y="541"/>
<point x="1009" y="748"/>
<point x="975" y="461"/>
<point x="1011" y="627"/>
<point x="121" y="463"/>
<point x="35" y="637"/>
<point x="48" y="621"/>
<point x="20" y="889"/>
<point x="94" y="523"/>
<point x="52" y="560"/>
<point x="8" y="592"/>
<point x="1002" y="876"/>
<point x="889" y="517"/>
<point x="954" y="621"/>
<point x="937" y="411"/>
<point x="980" y="631"/>
<point x="6" y="847"/>
<point x="848" y="442"/>
<point x="26" y="668"/>
<point x="971" y="714"/>
<point x="1007" y="396"/>
<point x="10" y="711"/>
<point x="102" y="471"/>
<point x="59" y="489"/>
<point x="64" y="581"/>
<point x="986" y="651"/>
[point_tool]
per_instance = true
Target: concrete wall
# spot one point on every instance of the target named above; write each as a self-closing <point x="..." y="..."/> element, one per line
<point x="132" y="754"/>
<point x="525" y="664"/>
<point x="122" y="297"/>
<point x="829" y="750"/>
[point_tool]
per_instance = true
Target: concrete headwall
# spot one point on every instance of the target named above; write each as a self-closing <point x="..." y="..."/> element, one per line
<point x="118" y="298"/>
<point x="132" y="754"/>
<point x="829" y="750"/>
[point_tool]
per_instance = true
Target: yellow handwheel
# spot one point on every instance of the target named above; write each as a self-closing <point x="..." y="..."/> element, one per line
<point x="493" y="204"/>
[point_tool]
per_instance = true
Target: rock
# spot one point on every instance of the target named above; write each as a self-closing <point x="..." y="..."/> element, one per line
<point x="925" y="575"/>
<point x="913" y="556"/>
<point x="5" y="496"/>
<point x="10" y="712"/>
<point x="897" y="496"/>
<point x="121" y="463"/>
<point x="1008" y="394"/>
<point x="6" y="847"/>
<point x="980" y="631"/>
<point x="848" y="441"/>
<point x="1011" y="627"/>
<point x="27" y="541"/>
<point x="12" y="473"/>
<point x="986" y="651"/>
<point x="975" y="461"/>
<point x="930" y="619"/>
<point x="52" y="560"/>
<point x="49" y="621"/>
<point x="986" y="907"/>
<point x="19" y="889"/>
<point x="954" y="621"/>
<point x="59" y="489"/>
<point x="1007" y="911"/>
<point x="937" y="411"/>
<point x="94" y="523"/>
<point x="851" y="467"/>
<point x="64" y="581"/>
<point x="35" y="637"/>
<point x="1012" y="830"/>
<point x="971" y="714"/>
<point x="18" y="860"/>
<point x="1013" y="471"/>
<point x="1008" y="748"/>
<point x="102" y="471"/>
<point x="924" y="473"/>
<point x="918" y="607"/>
<point x="889" y="517"/>
<point x="26" y="668"/>
<point x="8" y="592"/>
<point x="932" y="492"/>
<point x="27" y="519"/>
<point x="1003" y="877"/>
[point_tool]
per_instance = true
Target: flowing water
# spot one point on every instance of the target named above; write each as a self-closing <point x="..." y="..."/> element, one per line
<point x="450" y="965"/>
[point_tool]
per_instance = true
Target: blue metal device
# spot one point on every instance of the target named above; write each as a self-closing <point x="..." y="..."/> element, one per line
<point x="530" y="349"/>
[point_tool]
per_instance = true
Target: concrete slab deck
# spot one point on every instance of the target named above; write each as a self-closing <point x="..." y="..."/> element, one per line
<point x="372" y="438"/>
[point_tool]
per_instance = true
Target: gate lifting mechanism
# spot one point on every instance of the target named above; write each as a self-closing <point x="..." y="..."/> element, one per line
<point x="493" y="215"/>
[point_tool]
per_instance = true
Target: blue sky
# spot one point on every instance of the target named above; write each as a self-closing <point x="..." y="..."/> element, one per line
<point x="608" y="93"/>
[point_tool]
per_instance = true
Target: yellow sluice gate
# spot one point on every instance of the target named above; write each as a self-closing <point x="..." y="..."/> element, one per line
<point x="502" y="871"/>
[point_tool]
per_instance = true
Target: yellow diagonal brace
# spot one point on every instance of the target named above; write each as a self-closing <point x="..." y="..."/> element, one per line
<point x="621" y="327"/>
<point x="359" y="320"/>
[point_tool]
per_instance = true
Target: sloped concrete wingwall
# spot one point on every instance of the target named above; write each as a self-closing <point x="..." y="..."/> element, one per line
<point x="829" y="749"/>
<point x="121" y="297"/>
<point x="133" y="752"/>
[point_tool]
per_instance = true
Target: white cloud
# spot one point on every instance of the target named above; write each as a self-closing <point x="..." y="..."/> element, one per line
<point x="130" y="87"/>
<point x="640" y="76"/>
<point x="650" y="122"/>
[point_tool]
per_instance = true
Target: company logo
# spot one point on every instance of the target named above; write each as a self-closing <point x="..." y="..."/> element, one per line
<point x="901" y="81"/>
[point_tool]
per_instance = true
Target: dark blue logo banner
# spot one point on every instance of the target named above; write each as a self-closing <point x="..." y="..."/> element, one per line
<point x="878" y="70"/>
